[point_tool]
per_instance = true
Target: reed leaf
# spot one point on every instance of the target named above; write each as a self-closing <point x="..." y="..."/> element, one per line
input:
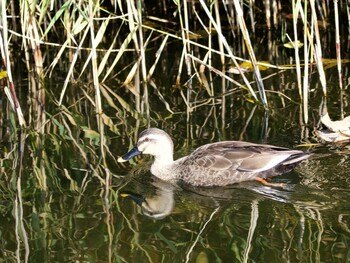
<point x="57" y="16"/>
<point x="121" y="51"/>
<point x="71" y="68"/>
<point x="251" y="53"/>
<point x="158" y="54"/>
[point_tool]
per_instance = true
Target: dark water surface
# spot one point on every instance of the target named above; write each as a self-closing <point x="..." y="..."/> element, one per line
<point x="56" y="206"/>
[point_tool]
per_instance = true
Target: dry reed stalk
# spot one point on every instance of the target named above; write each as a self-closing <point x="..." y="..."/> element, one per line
<point x="219" y="73"/>
<point x="107" y="54"/>
<point x="218" y="22"/>
<point x="348" y="13"/>
<point x="98" y="102"/>
<point x="5" y="54"/>
<point x="161" y="97"/>
<point x="295" y="7"/>
<point x="208" y="55"/>
<point x="97" y="39"/>
<point x="318" y="51"/>
<point x="275" y="12"/>
<point x="186" y="32"/>
<point x="181" y="62"/>
<point x="227" y="47"/>
<point x="268" y="14"/>
<point x="306" y="66"/>
<point x="158" y="54"/>
<point x="138" y="18"/>
<point x="93" y="55"/>
<point x="186" y="44"/>
<point x="251" y="14"/>
<point x="121" y="51"/>
<point x="230" y="16"/>
<point x="337" y="43"/>
<point x="251" y="53"/>
<point x="71" y="68"/>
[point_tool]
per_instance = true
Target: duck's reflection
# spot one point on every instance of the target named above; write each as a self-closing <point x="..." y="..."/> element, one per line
<point x="158" y="205"/>
<point x="157" y="200"/>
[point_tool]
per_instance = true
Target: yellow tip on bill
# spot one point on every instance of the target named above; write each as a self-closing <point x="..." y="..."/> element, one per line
<point x="124" y="195"/>
<point x="121" y="160"/>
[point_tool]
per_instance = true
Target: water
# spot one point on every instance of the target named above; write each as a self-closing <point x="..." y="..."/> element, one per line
<point x="80" y="219"/>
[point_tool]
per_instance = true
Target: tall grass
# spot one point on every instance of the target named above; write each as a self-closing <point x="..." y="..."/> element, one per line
<point x="75" y="21"/>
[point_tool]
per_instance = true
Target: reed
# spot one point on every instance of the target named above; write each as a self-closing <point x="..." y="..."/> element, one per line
<point x="5" y="55"/>
<point x="306" y="77"/>
<point x="337" y="43"/>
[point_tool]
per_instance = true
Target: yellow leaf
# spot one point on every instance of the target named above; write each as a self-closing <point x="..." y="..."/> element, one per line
<point x="3" y="74"/>
<point x="292" y="44"/>
<point x="250" y="100"/>
<point x="247" y="66"/>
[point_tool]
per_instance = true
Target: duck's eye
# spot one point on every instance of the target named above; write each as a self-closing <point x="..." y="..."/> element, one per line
<point x="144" y="140"/>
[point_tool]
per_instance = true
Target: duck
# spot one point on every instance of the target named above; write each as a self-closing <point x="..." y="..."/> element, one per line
<point x="215" y="164"/>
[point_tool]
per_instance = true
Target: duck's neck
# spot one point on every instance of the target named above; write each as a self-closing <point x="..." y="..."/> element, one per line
<point x="162" y="167"/>
<point x="164" y="159"/>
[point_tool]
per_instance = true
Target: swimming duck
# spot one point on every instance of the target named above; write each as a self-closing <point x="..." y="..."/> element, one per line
<point x="214" y="164"/>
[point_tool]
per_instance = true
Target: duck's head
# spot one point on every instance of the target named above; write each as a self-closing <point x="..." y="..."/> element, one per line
<point x="152" y="141"/>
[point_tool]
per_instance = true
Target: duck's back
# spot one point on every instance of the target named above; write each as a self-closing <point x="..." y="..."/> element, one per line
<point x="230" y="162"/>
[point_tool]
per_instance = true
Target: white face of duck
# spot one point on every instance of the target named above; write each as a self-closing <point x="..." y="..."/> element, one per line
<point x="155" y="142"/>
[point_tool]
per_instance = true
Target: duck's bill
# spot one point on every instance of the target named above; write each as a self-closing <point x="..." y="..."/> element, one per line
<point x="132" y="153"/>
<point x="138" y="199"/>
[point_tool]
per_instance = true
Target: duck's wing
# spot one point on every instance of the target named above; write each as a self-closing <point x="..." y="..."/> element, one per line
<point x="243" y="156"/>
